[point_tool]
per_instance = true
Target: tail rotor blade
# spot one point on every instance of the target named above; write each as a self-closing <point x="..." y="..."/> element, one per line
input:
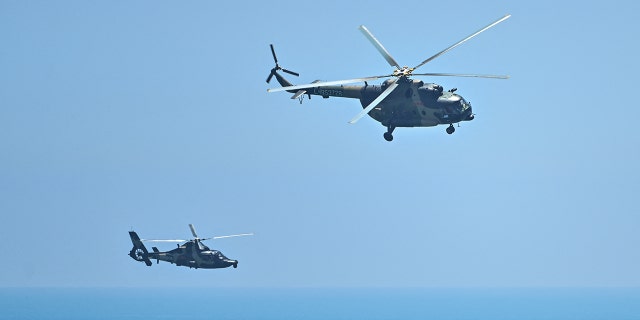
<point x="273" y="52"/>
<point x="291" y="72"/>
<point x="277" y="67"/>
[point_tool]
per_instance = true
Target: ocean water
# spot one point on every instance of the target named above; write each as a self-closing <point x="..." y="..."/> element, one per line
<point x="320" y="303"/>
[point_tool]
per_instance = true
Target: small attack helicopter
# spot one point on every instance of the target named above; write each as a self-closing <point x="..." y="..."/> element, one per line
<point x="193" y="253"/>
<point x="398" y="102"/>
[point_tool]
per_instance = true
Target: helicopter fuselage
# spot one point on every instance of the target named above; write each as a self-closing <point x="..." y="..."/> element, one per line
<point x="413" y="104"/>
<point x="193" y="256"/>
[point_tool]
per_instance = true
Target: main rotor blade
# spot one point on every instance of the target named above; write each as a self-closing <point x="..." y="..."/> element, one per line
<point x="230" y="236"/>
<point x="375" y="102"/>
<point x="193" y="230"/>
<point x="491" y="76"/>
<point x="327" y="83"/>
<point x="158" y="240"/>
<point x="379" y="46"/>
<point x="462" y="41"/>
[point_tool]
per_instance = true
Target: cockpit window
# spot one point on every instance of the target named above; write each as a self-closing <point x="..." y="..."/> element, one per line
<point x="207" y="255"/>
<point x="464" y="104"/>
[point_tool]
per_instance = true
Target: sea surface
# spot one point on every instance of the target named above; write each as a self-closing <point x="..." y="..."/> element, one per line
<point x="320" y="303"/>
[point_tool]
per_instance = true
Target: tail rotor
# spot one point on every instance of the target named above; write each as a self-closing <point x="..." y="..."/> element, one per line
<point x="277" y="67"/>
<point x="139" y="251"/>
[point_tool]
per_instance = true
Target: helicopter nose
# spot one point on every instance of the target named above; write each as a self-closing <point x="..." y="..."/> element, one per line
<point x="468" y="115"/>
<point x="233" y="263"/>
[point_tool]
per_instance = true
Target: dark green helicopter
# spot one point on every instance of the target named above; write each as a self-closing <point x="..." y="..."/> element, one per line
<point x="398" y="102"/>
<point x="193" y="253"/>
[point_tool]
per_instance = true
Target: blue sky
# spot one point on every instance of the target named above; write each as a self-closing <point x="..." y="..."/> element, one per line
<point x="154" y="114"/>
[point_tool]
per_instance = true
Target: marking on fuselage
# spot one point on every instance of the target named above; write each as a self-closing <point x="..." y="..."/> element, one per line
<point x="329" y="92"/>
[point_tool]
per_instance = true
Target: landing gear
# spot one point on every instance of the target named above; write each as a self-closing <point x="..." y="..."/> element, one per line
<point x="451" y="129"/>
<point x="388" y="135"/>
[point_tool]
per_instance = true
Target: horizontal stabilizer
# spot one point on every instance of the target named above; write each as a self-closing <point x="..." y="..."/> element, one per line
<point x="298" y="94"/>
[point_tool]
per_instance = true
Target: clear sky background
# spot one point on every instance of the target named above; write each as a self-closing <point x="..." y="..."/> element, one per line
<point x="150" y="115"/>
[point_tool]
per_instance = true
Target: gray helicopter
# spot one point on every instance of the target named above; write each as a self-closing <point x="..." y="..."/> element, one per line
<point x="193" y="253"/>
<point x="397" y="102"/>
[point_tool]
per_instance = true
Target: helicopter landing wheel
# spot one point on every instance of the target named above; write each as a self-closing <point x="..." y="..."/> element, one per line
<point x="389" y="134"/>
<point x="451" y="129"/>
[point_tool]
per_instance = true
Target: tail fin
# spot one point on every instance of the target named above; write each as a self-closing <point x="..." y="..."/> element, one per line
<point x="139" y="251"/>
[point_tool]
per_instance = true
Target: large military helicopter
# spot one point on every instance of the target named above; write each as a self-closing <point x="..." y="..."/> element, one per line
<point x="398" y="102"/>
<point x="193" y="253"/>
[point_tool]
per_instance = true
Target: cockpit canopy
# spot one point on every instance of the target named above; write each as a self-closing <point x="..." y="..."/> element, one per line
<point x="212" y="255"/>
<point x="455" y="101"/>
<point x="435" y="93"/>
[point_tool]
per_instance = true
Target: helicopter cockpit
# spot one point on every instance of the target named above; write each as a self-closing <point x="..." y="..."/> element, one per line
<point x="465" y="105"/>
<point x="454" y="102"/>
<point x="212" y="255"/>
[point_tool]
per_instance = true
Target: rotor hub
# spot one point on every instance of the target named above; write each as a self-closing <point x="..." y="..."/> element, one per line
<point x="404" y="72"/>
